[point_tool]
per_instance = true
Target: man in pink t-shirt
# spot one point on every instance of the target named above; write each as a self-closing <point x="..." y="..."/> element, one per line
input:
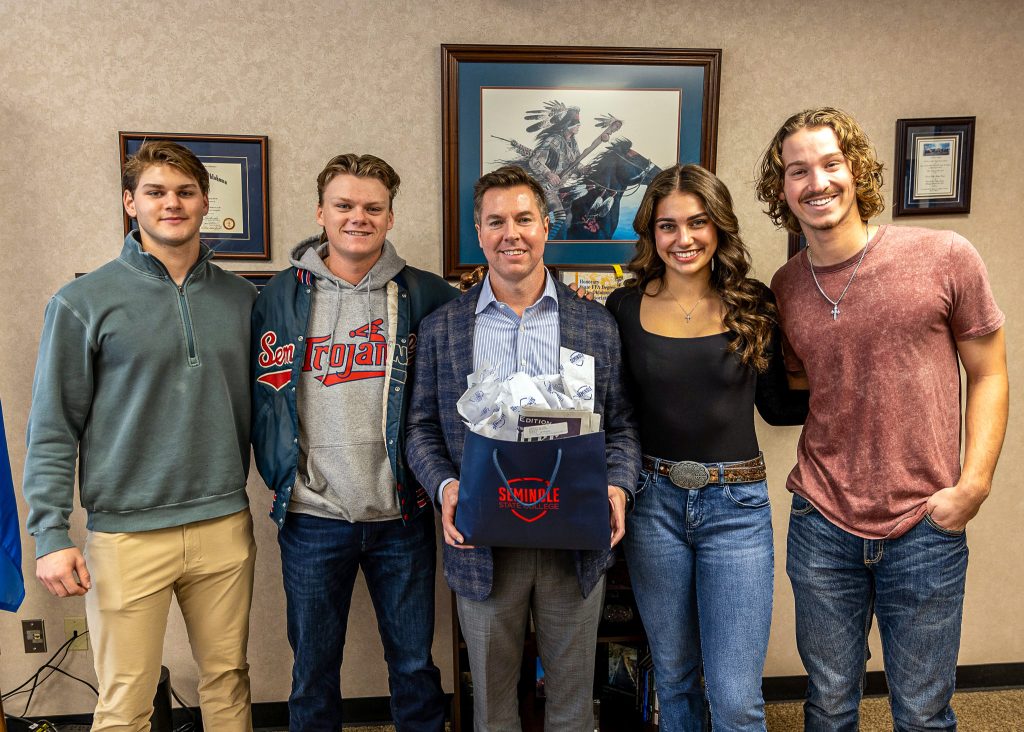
<point x="877" y="320"/>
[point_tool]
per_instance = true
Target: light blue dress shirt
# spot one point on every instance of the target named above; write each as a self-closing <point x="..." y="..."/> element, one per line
<point x="510" y="343"/>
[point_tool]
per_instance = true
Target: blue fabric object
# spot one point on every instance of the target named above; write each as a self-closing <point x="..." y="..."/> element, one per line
<point x="704" y="554"/>
<point x="913" y="585"/>
<point x="12" y="581"/>
<point x="320" y="558"/>
<point x="551" y="494"/>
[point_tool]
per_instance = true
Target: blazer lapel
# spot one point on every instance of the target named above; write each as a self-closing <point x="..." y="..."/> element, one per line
<point x="572" y="321"/>
<point x="461" y="327"/>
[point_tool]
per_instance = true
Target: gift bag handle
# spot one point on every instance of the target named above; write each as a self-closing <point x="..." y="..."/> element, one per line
<point x="501" y="473"/>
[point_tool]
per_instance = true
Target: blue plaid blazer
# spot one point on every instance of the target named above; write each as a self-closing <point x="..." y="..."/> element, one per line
<point x="435" y="433"/>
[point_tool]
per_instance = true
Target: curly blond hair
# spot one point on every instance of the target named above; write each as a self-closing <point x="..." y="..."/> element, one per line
<point x="855" y="146"/>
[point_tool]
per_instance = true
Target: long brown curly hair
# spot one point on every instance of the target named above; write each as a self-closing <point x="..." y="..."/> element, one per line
<point x="853" y="143"/>
<point x="749" y="315"/>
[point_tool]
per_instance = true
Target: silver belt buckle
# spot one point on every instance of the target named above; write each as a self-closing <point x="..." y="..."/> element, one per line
<point x="689" y="475"/>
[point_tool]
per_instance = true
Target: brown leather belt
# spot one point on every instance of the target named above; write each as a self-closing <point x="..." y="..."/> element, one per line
<point x="690" y="475"/>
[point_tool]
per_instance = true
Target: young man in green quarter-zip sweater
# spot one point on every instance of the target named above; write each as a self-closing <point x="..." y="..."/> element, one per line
<point x="143" y="372"/>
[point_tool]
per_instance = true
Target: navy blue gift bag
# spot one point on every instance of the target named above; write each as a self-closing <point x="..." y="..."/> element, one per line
<point x="550" y="494"/>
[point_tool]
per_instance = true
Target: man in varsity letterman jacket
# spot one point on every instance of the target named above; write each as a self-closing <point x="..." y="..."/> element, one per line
<point x="333" y="343"/>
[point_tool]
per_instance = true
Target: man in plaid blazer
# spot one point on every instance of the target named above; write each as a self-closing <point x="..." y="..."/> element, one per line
<point x="516" y="320"/>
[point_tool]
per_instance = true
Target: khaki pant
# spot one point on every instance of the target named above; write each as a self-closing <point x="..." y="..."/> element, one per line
<point x="209" y="566"/>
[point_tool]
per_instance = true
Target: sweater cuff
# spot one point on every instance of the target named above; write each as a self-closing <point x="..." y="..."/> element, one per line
<point x="52" y="540"/>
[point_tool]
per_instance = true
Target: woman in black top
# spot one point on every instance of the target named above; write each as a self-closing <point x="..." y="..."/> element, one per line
<point x="700" y="343"/>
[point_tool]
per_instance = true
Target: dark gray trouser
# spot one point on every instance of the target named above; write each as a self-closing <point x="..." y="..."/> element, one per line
<point x="541" y="581"/>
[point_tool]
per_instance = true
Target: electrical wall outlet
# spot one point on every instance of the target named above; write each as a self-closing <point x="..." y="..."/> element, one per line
<point x="35" y="636"/>
<point x="77" y="625"/>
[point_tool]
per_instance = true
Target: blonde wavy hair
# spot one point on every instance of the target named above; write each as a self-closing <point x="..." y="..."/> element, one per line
<point x="855" y="146"/>
<point x="749" y="315"/>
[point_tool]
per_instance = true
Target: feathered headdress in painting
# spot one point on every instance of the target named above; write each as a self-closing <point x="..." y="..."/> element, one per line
<point x="554" y="116"/>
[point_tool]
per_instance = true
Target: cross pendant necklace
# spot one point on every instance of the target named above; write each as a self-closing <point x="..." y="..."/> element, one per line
<point x="835" y="303"/>
<point x="688" y="314"/>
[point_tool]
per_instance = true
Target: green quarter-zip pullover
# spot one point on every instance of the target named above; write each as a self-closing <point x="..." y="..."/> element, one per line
<point x="148" y="383"/>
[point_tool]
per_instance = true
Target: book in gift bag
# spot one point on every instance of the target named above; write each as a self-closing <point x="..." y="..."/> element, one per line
<point x="549" y="494"/>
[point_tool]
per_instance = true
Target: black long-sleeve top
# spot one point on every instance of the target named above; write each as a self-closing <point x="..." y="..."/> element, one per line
<point x="693" y="398"/>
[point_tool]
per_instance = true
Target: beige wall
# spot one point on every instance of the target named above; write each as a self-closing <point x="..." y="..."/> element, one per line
<point x="323" y="77"/>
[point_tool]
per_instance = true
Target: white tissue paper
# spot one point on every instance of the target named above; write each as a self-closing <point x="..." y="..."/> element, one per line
<point x="491" y="407"/>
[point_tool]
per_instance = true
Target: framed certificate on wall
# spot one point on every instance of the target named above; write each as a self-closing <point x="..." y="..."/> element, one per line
<point x="933" y="166"/>
<point x="237" y="225"/>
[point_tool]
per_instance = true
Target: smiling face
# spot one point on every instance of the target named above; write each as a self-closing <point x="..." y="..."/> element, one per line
<point x="819" y="186"/>
<point x="684" y="236"/>
<point x="356" y="214"/>
<point x="169" y="207"/>
<point x="512" y="234"/>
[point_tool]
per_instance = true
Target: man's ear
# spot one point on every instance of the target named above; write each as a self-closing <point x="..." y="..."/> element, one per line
<point x="129" y="203"/>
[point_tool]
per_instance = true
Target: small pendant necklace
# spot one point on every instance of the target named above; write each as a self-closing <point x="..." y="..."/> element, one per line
<point x="835" y="303"/>
<point x="688" y="315"/>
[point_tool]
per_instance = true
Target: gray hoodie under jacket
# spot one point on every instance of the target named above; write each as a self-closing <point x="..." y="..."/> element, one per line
<point x="343" y="470"/>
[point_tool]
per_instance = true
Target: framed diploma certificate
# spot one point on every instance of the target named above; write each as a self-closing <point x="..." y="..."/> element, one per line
<point x="933" y="165"/>
<point x="237" y="225"/>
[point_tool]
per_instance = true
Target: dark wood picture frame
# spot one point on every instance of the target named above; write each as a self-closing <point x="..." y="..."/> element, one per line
<point x="249" y="152"/>
<point x="468" y="69"/>
<point x="259" y="278"/>
<point x="924" y="186"/>
<point x="795" y="244"/>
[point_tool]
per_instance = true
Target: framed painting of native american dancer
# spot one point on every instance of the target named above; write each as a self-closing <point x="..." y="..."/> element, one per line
<point x="592" y="125"/>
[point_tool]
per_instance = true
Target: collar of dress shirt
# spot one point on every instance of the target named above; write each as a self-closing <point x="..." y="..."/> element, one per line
<point x="487" y="294"/>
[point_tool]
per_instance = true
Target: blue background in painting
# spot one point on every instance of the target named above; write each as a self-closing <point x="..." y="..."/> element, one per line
<point x="252" y="241"/>
<point x="472" y="76"/>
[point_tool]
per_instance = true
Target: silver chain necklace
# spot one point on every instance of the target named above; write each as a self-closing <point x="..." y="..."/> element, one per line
<point x="688" y="315"/>
<point x="835" y="303"/>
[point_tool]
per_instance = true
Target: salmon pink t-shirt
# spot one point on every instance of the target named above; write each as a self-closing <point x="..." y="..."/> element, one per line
<point x="883" y="433"/>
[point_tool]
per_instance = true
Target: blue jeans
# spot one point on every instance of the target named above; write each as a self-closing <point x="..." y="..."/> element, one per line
<point x="914" y="585"/>
<point x="702" y="567"/>
<point x="319" y="560"/>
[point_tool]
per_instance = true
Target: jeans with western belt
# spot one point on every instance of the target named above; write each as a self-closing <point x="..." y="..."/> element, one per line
<point x="914" y="585"/>
<point x="319" y="559"/>
<point x="702" y="567"/>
